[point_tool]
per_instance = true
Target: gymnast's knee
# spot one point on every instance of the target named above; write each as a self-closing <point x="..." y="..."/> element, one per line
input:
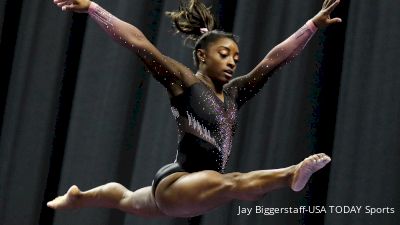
<point x="115" y="189"/>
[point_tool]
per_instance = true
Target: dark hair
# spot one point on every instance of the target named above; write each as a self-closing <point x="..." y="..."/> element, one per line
<point x="190" y="18"/>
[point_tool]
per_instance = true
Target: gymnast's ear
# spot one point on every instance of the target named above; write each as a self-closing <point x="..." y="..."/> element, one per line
<point x="201" y="54"/>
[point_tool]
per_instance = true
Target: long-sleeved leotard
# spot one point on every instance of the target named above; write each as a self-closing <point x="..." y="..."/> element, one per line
<point x="205" y="123"/>
<point x="247" y="86"/>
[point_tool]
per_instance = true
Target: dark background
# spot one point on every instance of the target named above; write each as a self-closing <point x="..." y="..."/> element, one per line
<point x="77" y="108"/>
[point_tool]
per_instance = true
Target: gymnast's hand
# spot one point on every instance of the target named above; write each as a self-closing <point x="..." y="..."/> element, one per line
<point x="79" y="6"/>
<point x="323" y="17"/>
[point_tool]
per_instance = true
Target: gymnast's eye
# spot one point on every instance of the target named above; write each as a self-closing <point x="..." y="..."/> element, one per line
<point x="223" y="55"/>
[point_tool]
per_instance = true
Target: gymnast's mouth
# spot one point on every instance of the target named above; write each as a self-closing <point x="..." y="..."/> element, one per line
<point x="228" y="73"/>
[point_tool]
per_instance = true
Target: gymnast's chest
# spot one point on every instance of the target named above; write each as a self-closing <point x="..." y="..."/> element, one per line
<point x="199" y="104"/>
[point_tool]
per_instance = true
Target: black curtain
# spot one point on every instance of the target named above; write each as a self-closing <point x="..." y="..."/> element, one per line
<point x="77" y="108"/>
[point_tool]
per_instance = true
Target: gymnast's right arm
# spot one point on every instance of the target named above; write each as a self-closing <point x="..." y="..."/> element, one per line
<point x="172" y="74"/>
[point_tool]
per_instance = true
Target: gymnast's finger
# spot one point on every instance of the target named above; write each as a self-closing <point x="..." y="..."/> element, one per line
<point x="60" y="1"/>
<point x="68" y="8"/>
<point x="335" y="20"/>
<point x="330" y="9"/>
<point x="61" y="4"/>
<point x="326" y="4"/>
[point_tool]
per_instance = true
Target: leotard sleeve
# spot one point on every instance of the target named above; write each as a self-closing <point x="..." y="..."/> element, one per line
<point x="119" y="30"/>
<point x="245" y="87"/>
<point x="164" y="69"/>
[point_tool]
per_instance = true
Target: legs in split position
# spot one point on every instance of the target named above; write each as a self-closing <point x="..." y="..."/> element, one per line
<point x="190" y="194"/>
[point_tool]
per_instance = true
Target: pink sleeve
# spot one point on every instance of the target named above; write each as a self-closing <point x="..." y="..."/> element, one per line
<point x="312" y="26"/>
<point x="122" y="32"/>
<point x="164" y="69"/>
<point x="245" y="87"/>
<point x="293" y="45"/>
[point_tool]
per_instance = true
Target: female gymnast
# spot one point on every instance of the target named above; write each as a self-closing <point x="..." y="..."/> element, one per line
<point x="205" y="106"/>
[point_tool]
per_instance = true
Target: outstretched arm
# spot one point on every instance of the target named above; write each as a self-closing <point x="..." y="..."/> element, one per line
<point x="249" y="85"/>
<point x="172" y="74"/>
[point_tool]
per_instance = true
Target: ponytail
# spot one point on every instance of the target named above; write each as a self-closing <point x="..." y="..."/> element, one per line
<point x="196" y="21"/>
<point x="192" y="18"/>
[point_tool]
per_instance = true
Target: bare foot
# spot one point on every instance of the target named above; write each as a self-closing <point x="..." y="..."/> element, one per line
<point x="67" y="201"/>
<point x="306" y="168"/>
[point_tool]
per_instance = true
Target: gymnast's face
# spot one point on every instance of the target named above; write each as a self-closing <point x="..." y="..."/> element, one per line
<point x="220" y="60"/>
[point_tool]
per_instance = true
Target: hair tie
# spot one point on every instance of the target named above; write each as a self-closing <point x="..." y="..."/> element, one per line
<point x="203" y="30"/>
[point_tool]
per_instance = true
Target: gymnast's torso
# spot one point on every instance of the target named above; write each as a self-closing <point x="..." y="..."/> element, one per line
<point x="206" y="125"/>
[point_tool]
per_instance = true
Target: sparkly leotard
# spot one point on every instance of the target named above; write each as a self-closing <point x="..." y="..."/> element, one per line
<point x="205" y="128"/>
<point x="205" y="123"/>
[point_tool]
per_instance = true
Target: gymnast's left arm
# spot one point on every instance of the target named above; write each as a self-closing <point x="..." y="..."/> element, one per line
<point x="249" y="85"/>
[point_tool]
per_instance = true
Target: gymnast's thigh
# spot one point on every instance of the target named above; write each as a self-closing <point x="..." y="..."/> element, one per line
<point x="186" y="194"/>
